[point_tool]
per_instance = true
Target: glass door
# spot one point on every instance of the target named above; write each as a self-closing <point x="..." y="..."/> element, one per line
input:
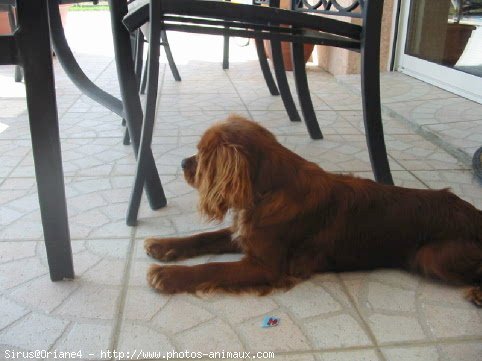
<point x="440" y="42"/>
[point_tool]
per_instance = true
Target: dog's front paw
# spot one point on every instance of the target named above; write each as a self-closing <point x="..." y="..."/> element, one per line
<point x="162" y="249"/>
<point x="167" y="279"/>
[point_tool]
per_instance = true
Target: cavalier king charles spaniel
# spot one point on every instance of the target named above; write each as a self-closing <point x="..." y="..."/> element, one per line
<point x="292" y="219"/>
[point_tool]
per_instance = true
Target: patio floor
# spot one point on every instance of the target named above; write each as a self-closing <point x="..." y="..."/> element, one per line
<point x="381" y="315"/>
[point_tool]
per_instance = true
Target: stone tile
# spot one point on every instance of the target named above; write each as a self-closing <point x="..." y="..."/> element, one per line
<point x="336" y="331"/>
<point x="288" y="336"/>
<point x="64" y="316"/>
<point x="400" y="307"/>
<point x="20" y="271"/>
<point x="48" y="295"/>
<point x="143" y="342"/>
<point x="260" y="99"/>
<point x="96" y="208"/>
<point x="413" y="152"/>
<point x="468" y="351"/>
<point x="14" y="128"/>
<point x="462" y="183"/>
<point x="343" y="100"/>
<point x="392" y="328"/>
<point x="12" y="107"/>
<point x="187" y="123"/>
<point x="179" y="315"/>
<point x="214" y="87"/>
<point x="295" y="357"/>
<point x="214" y="335"/>
<point x="463" y="136"/>
<point x="88" y="157"/>
<point x="10" y="312"/>
<point x="398" y="87"/>
<point x="142" y="303"/>
<point x="391" y="125"/>
<point x="239" y="308"/>
<point x="336" y="153"/>
<point x="437" y="111"/>
<point x="401" y="178"/>
<point x="84" y="122"/>
<point x="91" y="302"/>
<point x="359" y="355"/>
<point x="450" y="321"/>
<point x="279" y="124"/>
<point x="308" y="300"/>
<point x="11" y="154"/>
<point x="33" y="332"/>
<point x="88" y="338"/>
<point x="200" y="102"/>
<point x="414" y="353"/>
<point x="387" y="306"/>
<point x="462" y="351"/>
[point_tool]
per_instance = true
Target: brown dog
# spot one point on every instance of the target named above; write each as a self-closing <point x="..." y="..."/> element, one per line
<point x="293" y="219"/>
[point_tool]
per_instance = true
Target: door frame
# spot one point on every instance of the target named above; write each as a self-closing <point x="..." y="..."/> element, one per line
<point x="455" y="81"/>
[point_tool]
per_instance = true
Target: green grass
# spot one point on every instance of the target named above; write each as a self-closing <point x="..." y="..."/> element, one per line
<point x="89" y="7"/>
<point x="103" y="5"/>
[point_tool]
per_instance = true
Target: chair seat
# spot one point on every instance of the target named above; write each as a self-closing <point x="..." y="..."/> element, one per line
<point x="242" y="17"/>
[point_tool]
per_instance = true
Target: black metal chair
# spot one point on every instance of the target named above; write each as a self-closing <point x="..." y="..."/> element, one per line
<point x="303" y="24"/>
<point x="225" y="63"/>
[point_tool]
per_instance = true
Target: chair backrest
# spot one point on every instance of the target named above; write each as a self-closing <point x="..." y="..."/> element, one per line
<point x="350" y="8"/>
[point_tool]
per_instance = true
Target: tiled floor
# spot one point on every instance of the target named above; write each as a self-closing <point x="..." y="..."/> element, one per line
<point x="380" y="315"/>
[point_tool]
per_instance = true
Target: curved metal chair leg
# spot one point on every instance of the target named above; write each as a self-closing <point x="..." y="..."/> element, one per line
<point x="149" y="113"/>
<point x="144" y="78"/>
<point x="18" y="74"/>
<point x="170" y="58"/>
<point x="283" y="86"/>
<point x="226" y="52"/>
<point x="370" y="86"/>
<point x="263" y="63"/>
<point x="131" y="101"/>
<point x="301" y="81"/>
<point x="139" y="56"/>
<point x="138" y="62"/>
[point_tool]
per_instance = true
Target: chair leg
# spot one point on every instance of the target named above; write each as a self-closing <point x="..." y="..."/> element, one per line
<point x="138" y="62"/>
<point x="283" y="86"/>
<point x="170" y="58"/>
<point x="18" y="74"/>
<point x="372" y="116"/>
<point x="226" y="52"/>
<point x="34" y="47"/>
<point x="131" y="101"/>
<point x="149" y="114"/>
<point x="144" y="78"/>
<point x="301" y="81"/>
<point x="139" y="56"/>
<point x="263" y="63"/>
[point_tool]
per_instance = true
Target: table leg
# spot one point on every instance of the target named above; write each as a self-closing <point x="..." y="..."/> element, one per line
<point x="34" y="47"/>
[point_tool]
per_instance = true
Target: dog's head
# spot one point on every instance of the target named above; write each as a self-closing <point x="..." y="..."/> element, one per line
<point x="227" y="165"/>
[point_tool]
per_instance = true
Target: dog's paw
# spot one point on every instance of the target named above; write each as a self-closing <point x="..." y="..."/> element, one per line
<point x="161" y="249"/>
<point x="474" y="295"/>
<point x="166" y="279"/>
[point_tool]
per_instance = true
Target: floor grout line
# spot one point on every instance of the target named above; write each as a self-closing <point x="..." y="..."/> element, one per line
<point x="116" y="330"/>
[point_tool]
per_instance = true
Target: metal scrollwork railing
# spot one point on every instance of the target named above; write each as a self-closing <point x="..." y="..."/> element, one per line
<point x="350" y="8"/>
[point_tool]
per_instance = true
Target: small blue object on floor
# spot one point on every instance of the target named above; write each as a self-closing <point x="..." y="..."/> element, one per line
<point x="270" y="321"/>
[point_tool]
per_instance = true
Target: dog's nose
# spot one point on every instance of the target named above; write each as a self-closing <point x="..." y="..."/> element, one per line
<point x="184" y="163"/>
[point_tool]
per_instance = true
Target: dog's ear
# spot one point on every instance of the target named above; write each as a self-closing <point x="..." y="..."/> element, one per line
<point x="223" y="180"/>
